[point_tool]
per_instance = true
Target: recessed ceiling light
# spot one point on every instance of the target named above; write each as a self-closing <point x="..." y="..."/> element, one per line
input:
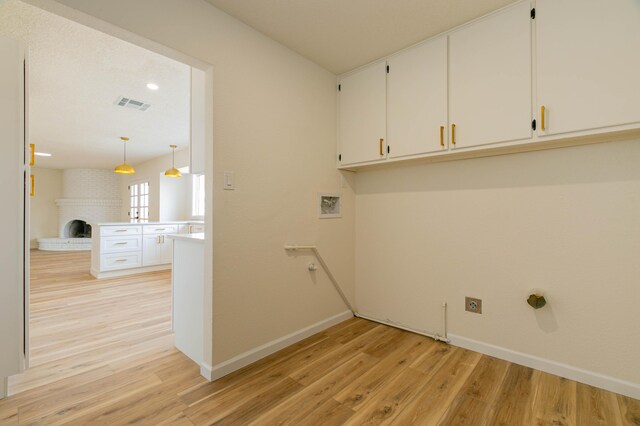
<point x="42" y="154"/>
<point x="152" y="86"/>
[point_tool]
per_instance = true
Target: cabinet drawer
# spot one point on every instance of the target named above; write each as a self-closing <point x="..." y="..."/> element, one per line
<point x="160" y="229"/>
<point x="120" y="244"/>
<point x="120" y="230"/>
<point x="196" y="228"/>
<point x="113" y="261"/>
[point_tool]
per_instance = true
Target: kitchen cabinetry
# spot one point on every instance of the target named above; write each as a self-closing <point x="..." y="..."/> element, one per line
<point x="588" y="65"/>
<point x="362" y="121"/>
<point x="417" y="100"/>
<point x="120" y="249"/>
<point x="490" y="79"/>
<point x="157" y="249"/>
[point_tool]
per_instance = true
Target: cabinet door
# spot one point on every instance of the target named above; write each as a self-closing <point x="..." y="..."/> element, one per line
<point x="166" y="251"/>
<point x="588" y="64"/>
<point x="490" y="79"/>
<point x="362" y="118"/>
<point x="417" y="100"/>
<point x="151" y="250"/>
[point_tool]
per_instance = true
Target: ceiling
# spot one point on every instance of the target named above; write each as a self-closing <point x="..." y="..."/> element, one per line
<point x="341" y="35"/>
<point x="75" y="76"/>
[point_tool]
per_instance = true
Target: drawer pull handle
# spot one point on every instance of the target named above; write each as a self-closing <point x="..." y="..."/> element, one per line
<point x="122" y="244"/>
<point x="121" y="260"/>
<point x="442" y="136"/>
<point x="32" y="191"/>
<point x="381" y="141"/>
<point x="120" y="230"/>
<point x="543" y="111"/>
<point x="453" y="134"/>
<point x="160" y="229"/>
<point x="32" y="148"/>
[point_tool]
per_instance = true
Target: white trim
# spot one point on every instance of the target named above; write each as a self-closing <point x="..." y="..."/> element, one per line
<point x="246" y="358"/>
<point x="4" y="387"/>
<point x="130" y="271"/>
<point x="609" y="383"/>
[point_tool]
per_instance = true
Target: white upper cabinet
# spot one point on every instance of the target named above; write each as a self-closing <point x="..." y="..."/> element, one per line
<point x="588" y="64"/>
<point x="362" y="121"/>
<point x="417" y="100"/>
<point x="490" y="79"/>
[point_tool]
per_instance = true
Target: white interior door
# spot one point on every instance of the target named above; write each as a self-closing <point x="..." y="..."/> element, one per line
<point x="588" y="73"/>
<point x="417" y="100"/>
<point x="15" y="176"/>
<point x="362" y="121"/>
<point x="490" y="79"/>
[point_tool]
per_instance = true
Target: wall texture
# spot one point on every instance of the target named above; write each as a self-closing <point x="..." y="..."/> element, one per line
<point x="275" y="127"/>
<point x="44" y="212"/>
<point x="566" y="221"/>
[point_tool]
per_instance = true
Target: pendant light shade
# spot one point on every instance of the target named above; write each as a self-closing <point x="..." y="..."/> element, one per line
<point x="124" y="168"/>
<point x="173" y="172"/>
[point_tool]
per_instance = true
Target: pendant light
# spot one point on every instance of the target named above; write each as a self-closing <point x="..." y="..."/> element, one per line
<point x="124" y="168"/>
<point x="173" y="172"/>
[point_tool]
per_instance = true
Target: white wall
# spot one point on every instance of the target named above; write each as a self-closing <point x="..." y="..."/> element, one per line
<point x="566" y="221"/>
<point x="175" y="198"/>
<point x="44" y="212"/>
<point x="153" y="172"/>
<point x="275" y="126"/>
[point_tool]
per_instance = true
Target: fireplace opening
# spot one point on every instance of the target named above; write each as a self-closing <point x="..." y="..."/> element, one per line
<point x="78" y="229"/>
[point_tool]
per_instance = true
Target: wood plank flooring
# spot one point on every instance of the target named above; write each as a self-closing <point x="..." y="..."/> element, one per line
<point x="103" y="354"/>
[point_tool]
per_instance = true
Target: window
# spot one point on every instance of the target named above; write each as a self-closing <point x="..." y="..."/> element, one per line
<point x="139" y="202"/>
<point x="197" y="196"/>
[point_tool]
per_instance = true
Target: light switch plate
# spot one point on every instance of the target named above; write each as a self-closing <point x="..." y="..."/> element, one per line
<point x="229" y="181"/>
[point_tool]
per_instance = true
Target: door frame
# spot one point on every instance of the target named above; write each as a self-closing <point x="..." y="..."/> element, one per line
<point x="52" y="6"/>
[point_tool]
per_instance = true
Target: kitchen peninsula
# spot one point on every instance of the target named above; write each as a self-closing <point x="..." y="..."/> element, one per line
<point x="131" y="248"/>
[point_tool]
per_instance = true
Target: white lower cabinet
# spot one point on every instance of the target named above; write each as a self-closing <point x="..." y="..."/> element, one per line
<point x="115" y="261"/>
<point x="125" y="248"/>
<point x="156" y="250"/>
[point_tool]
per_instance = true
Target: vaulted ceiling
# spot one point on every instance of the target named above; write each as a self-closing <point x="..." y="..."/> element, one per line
<point x="341" y="35"/>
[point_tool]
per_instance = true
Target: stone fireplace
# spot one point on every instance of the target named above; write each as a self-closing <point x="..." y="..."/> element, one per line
<point x="89" y="196"/>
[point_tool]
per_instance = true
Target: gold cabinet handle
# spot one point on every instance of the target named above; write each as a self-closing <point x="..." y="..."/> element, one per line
<point x="381" y="141"/>
<point x="543" y="111"/>
<point x="32" y="159"/>
<point x="442" y="136"/>
<point x="33" y="186"/>
<point x="453" y="134"/>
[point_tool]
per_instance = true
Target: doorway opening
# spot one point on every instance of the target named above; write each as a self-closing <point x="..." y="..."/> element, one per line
<point x="80" y="199"/>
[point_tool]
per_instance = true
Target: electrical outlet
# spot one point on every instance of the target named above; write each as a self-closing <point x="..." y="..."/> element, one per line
<point x="472" y="304"/>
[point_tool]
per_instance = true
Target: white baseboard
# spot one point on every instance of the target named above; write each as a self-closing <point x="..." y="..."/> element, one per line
<point x="246" y="358"/>
<point x="4" y="387"/>
<point x="559" y="369"/>
<point x="131" y="271"/>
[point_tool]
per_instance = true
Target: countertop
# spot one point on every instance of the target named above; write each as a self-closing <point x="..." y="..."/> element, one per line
<point x="177" y="222"/>
<point x="198" y="237"/>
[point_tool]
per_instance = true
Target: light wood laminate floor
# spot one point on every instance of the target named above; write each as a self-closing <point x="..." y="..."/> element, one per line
<point x="103" y="354"/>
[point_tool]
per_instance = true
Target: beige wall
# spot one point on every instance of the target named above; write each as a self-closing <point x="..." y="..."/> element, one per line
<point x="275" y="127"/>
<point x="44" y="212"/>
<point x="566" y="221"/>
<point x="151" y="171"/>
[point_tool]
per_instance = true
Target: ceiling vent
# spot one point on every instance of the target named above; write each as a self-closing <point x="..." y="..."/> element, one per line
<point x="132" y="103"/>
